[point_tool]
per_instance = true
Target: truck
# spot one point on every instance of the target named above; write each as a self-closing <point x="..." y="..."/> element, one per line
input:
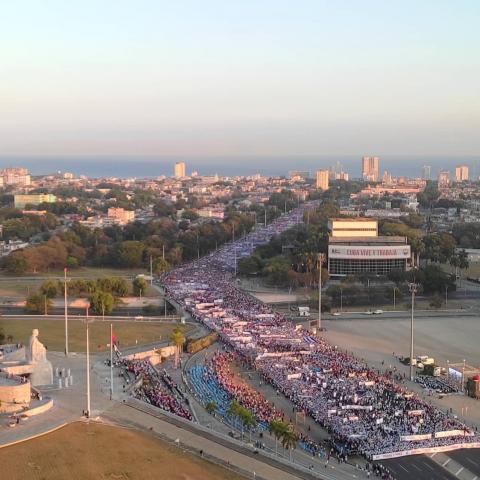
<point x="303" y="311"/>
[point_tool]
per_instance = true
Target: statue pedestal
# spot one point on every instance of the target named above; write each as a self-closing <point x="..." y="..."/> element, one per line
<point x="42" y="374"/>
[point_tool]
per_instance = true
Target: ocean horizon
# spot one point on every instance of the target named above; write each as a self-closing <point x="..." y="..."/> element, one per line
<point x="148" y="167"/>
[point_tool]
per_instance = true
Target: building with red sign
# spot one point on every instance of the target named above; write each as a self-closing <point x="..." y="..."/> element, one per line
<point x="355" y="254"/>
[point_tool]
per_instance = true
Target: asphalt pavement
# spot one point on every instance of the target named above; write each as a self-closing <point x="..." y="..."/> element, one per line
<point x="417" y="467"/>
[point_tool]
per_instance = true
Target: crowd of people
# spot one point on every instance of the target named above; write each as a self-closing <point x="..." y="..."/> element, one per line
<point x="154" y="388"/>
<point x="364" y="410"/>
<point x="251" y="399"/>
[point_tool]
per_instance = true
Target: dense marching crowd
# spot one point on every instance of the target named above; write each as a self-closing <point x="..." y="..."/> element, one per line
<point x="154" y="388"/>
<point x="364" y="410"/>
<point x="218" y="367"/>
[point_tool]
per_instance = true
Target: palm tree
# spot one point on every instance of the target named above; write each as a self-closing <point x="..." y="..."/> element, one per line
<point x="234" y="411"/>
<point x="211" y="407"/>
<point x="276" y="428"/>
<point x="248" y="421"/>
<point x="289" y="440"/>
<point x="178" y="339"/>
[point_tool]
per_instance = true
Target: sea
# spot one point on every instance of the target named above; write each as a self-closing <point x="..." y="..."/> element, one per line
<point x="230" y="165"/>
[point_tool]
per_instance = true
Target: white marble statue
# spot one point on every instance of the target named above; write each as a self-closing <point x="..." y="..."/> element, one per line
<point x="36" y="355"/>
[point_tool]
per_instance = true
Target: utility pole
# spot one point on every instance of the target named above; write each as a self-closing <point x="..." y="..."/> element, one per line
<point x="151" y="270"/>
<point x="265" y="217"/>
<point x="320" y="263"/>
<point x="446" y="297"/>
<point x="413" y="290"/>
<point x="45" y="304"/>
<point x="341" y="299"/>
<point x="66" y="309"/>
<point x="88" y="367"/>
<point x="111" y="361"/>
<point x="394" y="299"/>
<point x="163" y="251"/>
<point x="234" y="250"/>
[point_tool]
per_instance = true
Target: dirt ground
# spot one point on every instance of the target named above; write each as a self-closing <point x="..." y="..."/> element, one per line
<point x="52" y="333"/>
<point x="82" y="451"/>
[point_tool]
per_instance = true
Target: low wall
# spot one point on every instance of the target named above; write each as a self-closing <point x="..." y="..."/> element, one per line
<point x="42" y="408"/>
<point x="155" y="356"/>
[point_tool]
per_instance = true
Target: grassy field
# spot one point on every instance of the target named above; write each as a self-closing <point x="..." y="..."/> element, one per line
<point x="52" y="333"/>
<point x="82" y="451"/>
<point x="22" y="286"/>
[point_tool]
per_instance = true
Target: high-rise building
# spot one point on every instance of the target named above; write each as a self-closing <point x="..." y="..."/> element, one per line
<point x="426" y="172"/>
<point x="15" y="176"/>
<point x="443" y="178"/>
<point x="461" y="173"/>
<point x="179" y="170"/>
<point x="322" y="179"/>
<point x="370" y="168"/>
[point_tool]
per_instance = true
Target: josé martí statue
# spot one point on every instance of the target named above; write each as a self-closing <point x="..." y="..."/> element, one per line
<point x="36" y="355"/>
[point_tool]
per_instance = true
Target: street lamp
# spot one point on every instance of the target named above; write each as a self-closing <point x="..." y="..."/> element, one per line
<point x="87" y="413"/>
<point x="321" y="259"/>
<point x="413" y="290"/>
<point x="65" y="308"/>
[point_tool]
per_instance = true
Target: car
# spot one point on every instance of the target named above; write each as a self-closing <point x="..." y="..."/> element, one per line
<point x="336" y="314"/>
<point x="368" y="312"/>
<point x="377" y="312"/>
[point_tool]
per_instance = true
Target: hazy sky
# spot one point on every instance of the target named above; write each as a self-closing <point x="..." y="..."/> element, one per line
<point x="232" y="77"/>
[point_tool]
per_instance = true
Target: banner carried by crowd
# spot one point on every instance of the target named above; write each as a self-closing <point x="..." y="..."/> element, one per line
<point x="362" y="409"/>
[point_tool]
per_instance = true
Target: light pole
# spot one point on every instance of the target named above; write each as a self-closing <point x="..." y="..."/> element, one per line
<point x="321" y="258"/>
<point x="66" y="308"/>
<point x="88" y="365"/>
<point x="413" y="290"/>
<point x="111" y="361"/>
<point x="394" y="299"/>
<point x="341" y="299"/>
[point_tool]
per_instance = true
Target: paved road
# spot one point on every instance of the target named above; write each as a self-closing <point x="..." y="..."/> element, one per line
<point x="468" y="458"/>
<point x="417" y="467"/>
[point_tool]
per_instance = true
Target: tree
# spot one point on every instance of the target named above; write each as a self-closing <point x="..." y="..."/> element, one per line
<point x="15" y="263"/>
<point x="289" y="440"/>
<point x="251" y="265"/>
<point x="160" y="265"/>
<point x="50" y="288"/>
<point x="130" y="254"/>
<point x="277" y="428"/>
<point x="178" y="339"/>
<point x="38" y="303"/>
<point x="211" y="407"/>
<point x="277" y="269"/>
<point x="140" y="286"/>
<point x="102" y="303"/>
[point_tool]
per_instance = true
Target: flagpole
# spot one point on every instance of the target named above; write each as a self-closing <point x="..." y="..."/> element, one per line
<point x="88" y="370"/>
<point x="66" y="310"/>
<point x="111" y="361"/>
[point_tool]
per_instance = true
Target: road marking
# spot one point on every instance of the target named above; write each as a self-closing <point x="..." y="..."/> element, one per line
<point x="402" y="467"/>
<point x="433" y="454"/>
<point x="460" y="469"/>
<point x="429" y="466"/>
<point x="417" y="467"/>
<point x="471" y="461"/>
<point x="446" y="462"/>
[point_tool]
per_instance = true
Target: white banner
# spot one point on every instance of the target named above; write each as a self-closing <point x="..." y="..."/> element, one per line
<point x="415" y="438"/>
<point x="453" y="433"/>
<point x="380" y="252"/>
<point x="421" y="451"/>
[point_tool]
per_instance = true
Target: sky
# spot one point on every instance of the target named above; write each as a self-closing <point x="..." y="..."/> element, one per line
<point x="239" y="77"/>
